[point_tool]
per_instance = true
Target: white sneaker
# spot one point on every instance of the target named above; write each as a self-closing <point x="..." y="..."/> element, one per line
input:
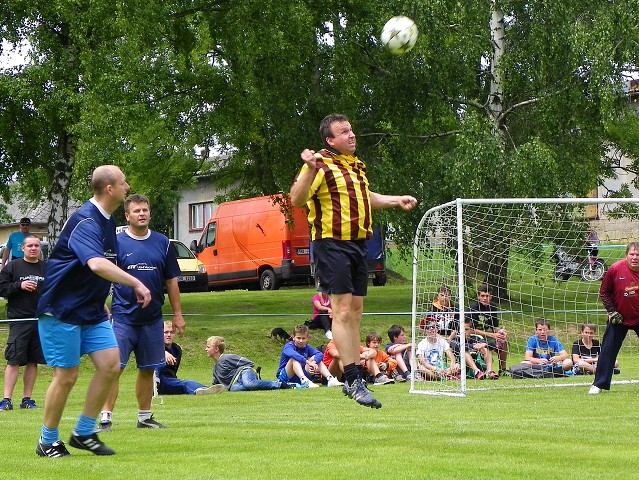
<point x="334" y="382"/>
<point x="212" y="390"/>
<point x="594" y="390"/>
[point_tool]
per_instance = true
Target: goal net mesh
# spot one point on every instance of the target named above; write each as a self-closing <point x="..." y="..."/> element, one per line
<point x="541" y="258"/>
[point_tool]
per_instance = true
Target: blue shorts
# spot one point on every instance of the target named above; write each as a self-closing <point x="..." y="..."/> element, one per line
<point x="63" y="343"/>
<point x="146" y="341"/>
<point x="341" y="266"/>
<point x="284" y="378"/>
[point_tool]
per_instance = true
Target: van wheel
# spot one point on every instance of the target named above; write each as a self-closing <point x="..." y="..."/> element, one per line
<point x="268" y="280"/>
<point x="381" y="281"/>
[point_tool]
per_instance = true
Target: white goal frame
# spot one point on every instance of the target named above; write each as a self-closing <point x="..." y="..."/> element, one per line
<point x="427" y="239"/>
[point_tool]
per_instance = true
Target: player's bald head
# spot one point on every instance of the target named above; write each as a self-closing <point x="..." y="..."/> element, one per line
<point x="105" y="175"/>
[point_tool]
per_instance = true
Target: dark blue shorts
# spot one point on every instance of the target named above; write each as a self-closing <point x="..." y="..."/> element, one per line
<point x="341" y="266"/>
<point x="146" y="341"/>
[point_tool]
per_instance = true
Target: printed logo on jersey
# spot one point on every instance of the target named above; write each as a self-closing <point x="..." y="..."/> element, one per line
<point x="433" y="357"/>
<point x="631" y="290"/>
<point x="111" y="256"/>
<point x="142" y="267"/>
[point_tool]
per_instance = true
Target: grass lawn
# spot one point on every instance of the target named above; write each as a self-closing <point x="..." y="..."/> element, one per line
<point x="504" y="433"/>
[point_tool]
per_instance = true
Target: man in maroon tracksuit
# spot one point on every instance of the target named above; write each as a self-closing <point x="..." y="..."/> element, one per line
<point x="619" y="294"/>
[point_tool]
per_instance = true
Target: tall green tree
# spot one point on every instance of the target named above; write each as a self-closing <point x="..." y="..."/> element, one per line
<point x="497" y="99"/>
<point x="106" y="82"/>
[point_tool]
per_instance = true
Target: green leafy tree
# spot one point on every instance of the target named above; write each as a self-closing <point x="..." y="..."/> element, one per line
<point x="497" y="99"/>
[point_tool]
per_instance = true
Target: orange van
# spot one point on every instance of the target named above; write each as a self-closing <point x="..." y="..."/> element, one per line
<point x="252" y="241"/>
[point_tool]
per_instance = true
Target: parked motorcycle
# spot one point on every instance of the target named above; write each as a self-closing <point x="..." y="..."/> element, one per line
<point x="589" y="269"/>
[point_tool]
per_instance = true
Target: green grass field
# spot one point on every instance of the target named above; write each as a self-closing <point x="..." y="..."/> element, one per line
<point x="505" y="433"/>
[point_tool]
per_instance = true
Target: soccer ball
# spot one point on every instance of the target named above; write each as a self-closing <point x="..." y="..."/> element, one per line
<point x="399" y="35"/>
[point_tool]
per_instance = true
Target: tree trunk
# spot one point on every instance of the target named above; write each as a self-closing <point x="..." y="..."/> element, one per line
<point x="497" y="37"/>
<point x="59" y="192"/>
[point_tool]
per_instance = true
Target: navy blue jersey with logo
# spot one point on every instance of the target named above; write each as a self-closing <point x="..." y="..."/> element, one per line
<point x="151" y="260"/>
<point x="71" y="291"/>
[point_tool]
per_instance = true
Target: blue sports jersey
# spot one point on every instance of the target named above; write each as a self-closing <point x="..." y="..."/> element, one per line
<point x="151" y="260"/>
<point x="550" y="348"/>
<point x="71" y="291"/>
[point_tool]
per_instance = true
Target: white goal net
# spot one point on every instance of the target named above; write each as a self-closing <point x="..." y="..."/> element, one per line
<point x="539" y="258"/>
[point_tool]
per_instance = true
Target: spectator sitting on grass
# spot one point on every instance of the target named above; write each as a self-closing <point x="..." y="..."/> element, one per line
<point x="432" y="353"/>
<point x="544" y="349"/>
<point x="585" y="351"/>
<point x="380" y="366"/>
<point x="333" y="361"/>
<point x="301" y="364"/>
<point x="399" y="350"/>
<point x="475" y="345"/>
<point x="233" y="372"/>
<point x="168" y="381"/>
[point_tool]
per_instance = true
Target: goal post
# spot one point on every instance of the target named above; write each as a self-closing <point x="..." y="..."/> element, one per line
<point x="540" y="258"/>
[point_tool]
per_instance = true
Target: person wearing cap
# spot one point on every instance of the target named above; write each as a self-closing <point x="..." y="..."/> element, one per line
<point x="14" y="244"/>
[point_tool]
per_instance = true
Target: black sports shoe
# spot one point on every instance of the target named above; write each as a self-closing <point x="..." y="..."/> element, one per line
<point x="358" y="392"/>
<point x="91" y="443"/>
<point x="53" y="450"/>
<point x="149" y="423"/>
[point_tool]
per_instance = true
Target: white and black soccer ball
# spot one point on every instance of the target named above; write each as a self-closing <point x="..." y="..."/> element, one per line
<point x="399" y="35"/>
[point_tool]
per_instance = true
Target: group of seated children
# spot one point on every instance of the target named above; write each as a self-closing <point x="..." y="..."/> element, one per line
<point x="438" y="353"/>
<point x="303" y="366"/>
<point x="482" y="335"/>
<point x="300" y="366"/>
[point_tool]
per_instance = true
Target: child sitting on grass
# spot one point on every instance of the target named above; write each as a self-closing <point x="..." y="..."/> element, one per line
<point x="475" y="345"/>
<point x="432" y="353"/>
<point x="544" y="349"/>
<point x="301" y="364"/>
<point x="585" y="351"/>
<point x="399" y="350"/>
<point x="380" y="367"/>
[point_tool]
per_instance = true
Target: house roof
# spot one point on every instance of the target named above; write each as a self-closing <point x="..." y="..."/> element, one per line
<point x="39" y="214"/>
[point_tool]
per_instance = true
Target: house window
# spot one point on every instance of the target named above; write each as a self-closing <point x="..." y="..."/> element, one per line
<point x="200" y="214"/>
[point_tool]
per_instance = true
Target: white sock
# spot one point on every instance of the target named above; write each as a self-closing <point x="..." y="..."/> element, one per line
<point x="106" y="416"/>
<point x="144" y="414"/>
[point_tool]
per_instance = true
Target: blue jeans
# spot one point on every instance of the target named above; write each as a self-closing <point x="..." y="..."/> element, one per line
<point x="248" y="381"/>
<point x="175" y="386"/>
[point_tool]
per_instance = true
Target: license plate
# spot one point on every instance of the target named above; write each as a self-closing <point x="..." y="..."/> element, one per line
<point x="186" y="278"/>
<point x="302" y="251"/>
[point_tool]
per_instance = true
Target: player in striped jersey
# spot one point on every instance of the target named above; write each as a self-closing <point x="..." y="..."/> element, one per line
<point x="334" y="186"/>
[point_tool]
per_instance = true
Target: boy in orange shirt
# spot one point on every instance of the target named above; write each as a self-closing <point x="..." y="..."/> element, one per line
<point x="381" y="366"/>
<point x="333" y="361"/>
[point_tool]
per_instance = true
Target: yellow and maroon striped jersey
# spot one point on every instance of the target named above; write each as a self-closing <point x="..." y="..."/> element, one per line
<point x="339" y="200"/>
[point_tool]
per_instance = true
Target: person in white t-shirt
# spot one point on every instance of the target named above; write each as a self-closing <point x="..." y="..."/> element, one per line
<point x="436" y="360"/>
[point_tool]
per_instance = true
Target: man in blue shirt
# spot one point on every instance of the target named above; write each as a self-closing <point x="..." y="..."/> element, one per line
<point x="72" y="316"/>
<point x="14" y="243"/>
<point x="148" y="256"/>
